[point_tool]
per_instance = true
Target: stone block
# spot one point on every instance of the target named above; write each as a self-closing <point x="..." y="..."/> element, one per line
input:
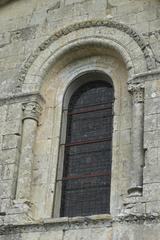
<point x="139" y="64"/>
<point x="152" y="89"/>
<point x="129" y="8"/>
<point x="128" y="231"/>
<point x="158" y="154"/>
<point x="1" y="170"/>
<point x="151" y="139"/>
<point x="45" y="132"/>
<point x="150" y="122"/>
<point x="125" y="121"/>
<point x="142" y="27"/>
<point x="14" y="112"/>
<point x="9" y="156"/>
<point x="3" y="113"/>
<point x="151" y="191"/>
<point x="10" y="141"/>
<point x="89" y="234"/>
<point x="39" y="18"/>
<point x="152" y="166"/>
<point x="153" y="208"/>
<point x="156" y="50"/>
<point x="56" y="235"/>
<point x="4" y="39"/>
<point x="5" y="204"/>
<point x="151" y="231"/>
<point x="31" y="236"/>
<point x="149" y="15"/>
<point x="151" y="174"/>
<point x="6" y="190"/>
<point x="54" y="7"/>
<point x="152" y="105"/>
<point x="13" y="127"/>
<point x="23" y="34"/>
<point x="125" y="137"/>
<point x="8" y="171"/>
<point x="130" y="18"/>
<point x="151" y="156"/>
<point x="154" y="25"/>
<point x="69" y="2"/>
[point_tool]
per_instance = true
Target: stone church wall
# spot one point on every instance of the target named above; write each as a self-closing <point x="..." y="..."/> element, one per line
<point x="44" y="45"/>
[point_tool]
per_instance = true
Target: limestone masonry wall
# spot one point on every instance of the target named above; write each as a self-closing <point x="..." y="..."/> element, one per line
<point x="44" y="46"/>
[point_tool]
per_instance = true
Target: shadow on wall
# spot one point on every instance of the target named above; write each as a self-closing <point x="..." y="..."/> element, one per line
<point x="2" y="2"/>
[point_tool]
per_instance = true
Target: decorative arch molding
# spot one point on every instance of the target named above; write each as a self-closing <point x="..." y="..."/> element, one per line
<point x="42" y="58"/>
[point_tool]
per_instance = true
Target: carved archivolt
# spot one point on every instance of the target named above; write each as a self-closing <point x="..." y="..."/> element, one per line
<point x="145" y="48"/>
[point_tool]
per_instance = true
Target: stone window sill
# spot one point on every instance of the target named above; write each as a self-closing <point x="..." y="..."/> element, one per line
<point x="86" y="219"/>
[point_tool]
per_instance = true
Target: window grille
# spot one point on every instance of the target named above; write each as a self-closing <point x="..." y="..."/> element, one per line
<point x="88" y="151"/>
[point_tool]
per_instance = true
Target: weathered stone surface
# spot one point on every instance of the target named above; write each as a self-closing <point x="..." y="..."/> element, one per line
<point x="44" y="46"/>
<point x="88" y="234"/>
<point x="4" y="39"/>
<point x="10" y="141"/>
<point x="6" y="189"/>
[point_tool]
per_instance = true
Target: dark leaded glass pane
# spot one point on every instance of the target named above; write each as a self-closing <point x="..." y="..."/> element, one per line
<point x="88" y="151"/>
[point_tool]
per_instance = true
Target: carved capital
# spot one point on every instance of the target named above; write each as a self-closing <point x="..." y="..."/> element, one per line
<point x="31" y="110"/>
<point x="137" y="91"/>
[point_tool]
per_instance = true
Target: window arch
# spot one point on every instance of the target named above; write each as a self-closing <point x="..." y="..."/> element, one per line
<point x="86" y="176"/>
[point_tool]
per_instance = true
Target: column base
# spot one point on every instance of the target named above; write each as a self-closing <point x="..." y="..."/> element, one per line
<point x="22" y="204"/>
<point x="19" y="213"/>
<point x="135" y="191"/>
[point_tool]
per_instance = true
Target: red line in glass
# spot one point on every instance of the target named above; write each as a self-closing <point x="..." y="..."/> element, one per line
<point x="89" y="110"/>
<point x="85" y="176"/>
<point x="87" y="142"/>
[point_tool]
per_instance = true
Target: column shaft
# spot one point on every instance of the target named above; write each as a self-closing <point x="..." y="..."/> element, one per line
<point x="30" y="118"/>
<point x="136" y="165"/>
<point x="26" y="159"/>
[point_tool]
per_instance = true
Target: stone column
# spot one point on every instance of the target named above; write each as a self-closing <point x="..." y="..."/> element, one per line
<point x="31" y="112"/>
<point x="137" y="163"/>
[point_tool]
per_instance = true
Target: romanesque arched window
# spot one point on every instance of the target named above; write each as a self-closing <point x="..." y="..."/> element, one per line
<point x="86" y="176"/>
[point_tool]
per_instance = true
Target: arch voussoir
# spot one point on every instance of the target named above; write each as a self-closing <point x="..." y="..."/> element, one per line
<point x="48" y="52"/>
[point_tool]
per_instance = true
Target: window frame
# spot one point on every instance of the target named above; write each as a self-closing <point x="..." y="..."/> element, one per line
<point x="75" y="84"/>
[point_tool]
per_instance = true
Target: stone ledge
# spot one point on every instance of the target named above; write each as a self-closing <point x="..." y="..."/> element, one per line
<point x="137" y="218"/>
<point x="22" y="97"/>
<point x="87" y="219"/>
<point x="63" y="223"/>
<point x="145" y="76"/>
<point x="66" y="223"/>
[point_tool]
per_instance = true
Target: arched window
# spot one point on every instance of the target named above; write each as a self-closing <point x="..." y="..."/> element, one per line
<point x="86" y="177"/>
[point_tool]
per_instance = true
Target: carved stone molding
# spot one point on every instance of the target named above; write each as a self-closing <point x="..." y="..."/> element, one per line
<point x="31" y="110"/>
<point x="144" y="77"/>
<point x="145" y="48"/>
<point x="24" y="98"/>
<point x="137" y="91"/>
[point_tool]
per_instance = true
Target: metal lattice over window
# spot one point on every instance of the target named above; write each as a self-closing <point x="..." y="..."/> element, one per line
<point x="88" y="151"/>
